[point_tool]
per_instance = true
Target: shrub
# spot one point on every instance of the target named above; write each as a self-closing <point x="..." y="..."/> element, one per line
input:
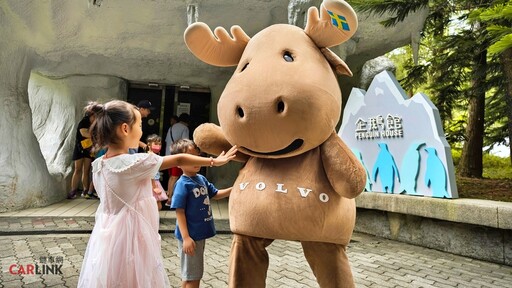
<point x="496" y="167"/>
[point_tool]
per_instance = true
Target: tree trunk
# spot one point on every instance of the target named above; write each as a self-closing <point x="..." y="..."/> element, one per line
<point x="470" y="164"/>
<point x="506" y="61"/>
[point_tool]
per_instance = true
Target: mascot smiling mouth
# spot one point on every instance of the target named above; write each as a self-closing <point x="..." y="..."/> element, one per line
<point x="290" y="148"/>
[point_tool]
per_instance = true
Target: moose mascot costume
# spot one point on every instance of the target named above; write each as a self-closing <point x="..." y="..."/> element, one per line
<point x="280" y="108"/>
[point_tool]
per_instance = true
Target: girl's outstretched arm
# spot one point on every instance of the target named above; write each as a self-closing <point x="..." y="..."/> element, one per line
<point x="191" y="160"/>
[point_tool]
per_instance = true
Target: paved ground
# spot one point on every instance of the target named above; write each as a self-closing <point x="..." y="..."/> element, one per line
<point x="58" y="234"/>
<point x="375" y="262"/>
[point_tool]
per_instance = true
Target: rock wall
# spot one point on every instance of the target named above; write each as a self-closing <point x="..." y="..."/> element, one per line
<point x="57" y="107"/>
<point x="64" y="46"/>
<point x="24" y="178"/>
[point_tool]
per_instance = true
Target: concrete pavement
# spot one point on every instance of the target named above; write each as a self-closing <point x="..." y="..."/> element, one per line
<point x="376" y="262"/>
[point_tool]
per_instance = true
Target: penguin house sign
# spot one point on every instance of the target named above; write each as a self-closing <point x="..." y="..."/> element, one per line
<point x="399" y="140"/>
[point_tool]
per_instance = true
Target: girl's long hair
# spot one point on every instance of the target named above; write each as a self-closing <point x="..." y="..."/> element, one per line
<point x="108" y="117"/>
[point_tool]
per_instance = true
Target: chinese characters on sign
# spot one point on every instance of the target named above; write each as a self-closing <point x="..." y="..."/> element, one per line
<point x="379" y="127"/>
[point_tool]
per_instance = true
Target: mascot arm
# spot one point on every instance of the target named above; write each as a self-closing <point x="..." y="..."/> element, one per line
<point x="210" y="139"/>
<point x="344" y="171"/>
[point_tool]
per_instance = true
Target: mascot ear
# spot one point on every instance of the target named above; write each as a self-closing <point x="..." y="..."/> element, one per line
<point x="217" y="48"/>
<point x="339" y="66"/>
<point x="336" y="24"/>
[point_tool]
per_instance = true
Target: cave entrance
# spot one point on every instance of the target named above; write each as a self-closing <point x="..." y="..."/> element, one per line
<point x="170" y="100"/>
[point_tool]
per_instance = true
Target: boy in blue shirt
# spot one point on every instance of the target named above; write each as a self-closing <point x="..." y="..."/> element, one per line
<point x="191" y="199"/>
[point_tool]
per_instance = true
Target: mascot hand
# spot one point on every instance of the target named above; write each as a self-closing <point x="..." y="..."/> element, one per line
<point x="210" y="139"/>
<point x="346" y="175"/>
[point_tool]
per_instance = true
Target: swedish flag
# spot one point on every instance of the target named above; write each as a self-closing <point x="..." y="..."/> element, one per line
<point x="339" y="21"/>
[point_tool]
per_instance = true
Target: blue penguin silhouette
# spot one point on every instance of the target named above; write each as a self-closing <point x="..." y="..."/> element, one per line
<point x="435" y="174"/>
<point x="368" y="186"/>
<point x="386" y="166"/>
<point x="410" y="169"/>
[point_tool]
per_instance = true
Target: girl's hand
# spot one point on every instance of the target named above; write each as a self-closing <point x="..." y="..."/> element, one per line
<point x="189" y="246"/>
<point x="224" y="158"/>
<point x="157" y="190"/>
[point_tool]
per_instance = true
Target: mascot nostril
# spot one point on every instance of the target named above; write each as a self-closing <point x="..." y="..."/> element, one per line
<point x="240" y="112"/>
<point x="280" y="107"/>
<point x="300" y="179"/>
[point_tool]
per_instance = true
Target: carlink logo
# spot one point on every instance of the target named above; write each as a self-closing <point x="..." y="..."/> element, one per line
<point x="46" y="265"/>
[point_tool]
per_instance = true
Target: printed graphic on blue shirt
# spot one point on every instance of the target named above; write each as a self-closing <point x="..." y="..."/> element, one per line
<point x="193" y="195"/>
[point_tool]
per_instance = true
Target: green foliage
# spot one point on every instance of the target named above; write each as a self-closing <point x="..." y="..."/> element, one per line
<point x="501" y="45"/>
<point x="499" y="21"/>
<point x="456" y="153"/>
<point x="451" y="67"/>
<point x="399" y="8"/>
<point x="497" y="167"/>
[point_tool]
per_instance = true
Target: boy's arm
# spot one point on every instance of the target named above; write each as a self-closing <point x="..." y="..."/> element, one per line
<point x="222" y="193"/>
<point x="189" y="245"/>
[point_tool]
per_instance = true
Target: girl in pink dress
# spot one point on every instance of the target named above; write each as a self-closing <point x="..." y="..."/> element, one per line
<point x="124" y="248"/>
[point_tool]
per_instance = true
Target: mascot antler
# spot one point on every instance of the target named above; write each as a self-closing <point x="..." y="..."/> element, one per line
<point x="217" y="48"/>
<point x="336" y="24"/>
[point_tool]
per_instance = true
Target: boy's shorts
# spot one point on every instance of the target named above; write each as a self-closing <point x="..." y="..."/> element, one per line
<point x="192" y="266"/>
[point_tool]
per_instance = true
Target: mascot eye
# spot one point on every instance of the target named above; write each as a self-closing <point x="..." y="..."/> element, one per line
<point x="245" y="66"/>
<point x="287" y="56"/>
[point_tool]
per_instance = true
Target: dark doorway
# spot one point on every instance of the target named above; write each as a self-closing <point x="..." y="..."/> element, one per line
<point x="199" y="102"/>
<point x="193" y="101"/>
<point x="170" y="95"/>
<point x="170" y="100"/>
<point x="136" y="93"/>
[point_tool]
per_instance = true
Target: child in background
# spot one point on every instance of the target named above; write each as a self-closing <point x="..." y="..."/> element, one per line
<point x="97" y="152"/>
<point x="124" y="249"/>
<point x="191" y="199"/>
<point x="154" y="145"/>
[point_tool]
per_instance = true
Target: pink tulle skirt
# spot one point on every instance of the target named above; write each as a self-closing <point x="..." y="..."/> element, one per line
<point x="160" y="196"/>
<point x="124" y="249"/>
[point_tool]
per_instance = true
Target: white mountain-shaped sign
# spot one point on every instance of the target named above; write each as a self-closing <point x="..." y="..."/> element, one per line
<point x="399" y="140"/>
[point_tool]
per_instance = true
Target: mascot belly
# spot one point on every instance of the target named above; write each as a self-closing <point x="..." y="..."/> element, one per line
<point x="290" y="199"/>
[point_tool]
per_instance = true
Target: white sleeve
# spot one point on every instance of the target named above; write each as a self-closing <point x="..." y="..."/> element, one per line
<point x="147" y="167"/>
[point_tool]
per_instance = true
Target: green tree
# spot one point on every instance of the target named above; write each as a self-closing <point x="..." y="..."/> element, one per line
<point x="498" y="18"/>
<point x="456" y="68"/>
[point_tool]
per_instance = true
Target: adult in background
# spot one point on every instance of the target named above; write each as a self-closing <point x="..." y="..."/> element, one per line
<point x="176" y="132"/>
<point x="145" y="107"/>
<point x="168" y="141"/>
<point x="82" y="157"/>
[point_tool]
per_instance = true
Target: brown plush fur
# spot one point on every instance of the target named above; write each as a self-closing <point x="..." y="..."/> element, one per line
<point x="299" y="179"/>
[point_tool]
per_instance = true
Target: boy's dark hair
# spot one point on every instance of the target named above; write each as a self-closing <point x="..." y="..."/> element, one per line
<point x="108" y="117"/>
<point x="182" y="145"/>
